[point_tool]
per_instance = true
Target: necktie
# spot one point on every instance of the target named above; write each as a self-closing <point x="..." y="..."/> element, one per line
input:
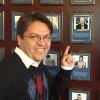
<point x="39" y="86"/>
<point x="40" y="82"/>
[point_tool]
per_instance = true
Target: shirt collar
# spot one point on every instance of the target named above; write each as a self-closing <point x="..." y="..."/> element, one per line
<point x="26" y="59"/>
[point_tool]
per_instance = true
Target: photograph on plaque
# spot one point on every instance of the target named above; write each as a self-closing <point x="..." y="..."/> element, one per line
<point x="1" y="53"/>
<point x="81" y="27"/>
<point x="1" y="1"/>
<point x="55" y="2"/>
<point x="82" y="1"/>
<point x="1" y="25"/>
<point x="15" y="17"/>
<point x="76" y="94"/>
<point x="56" y="21"/>
<point x="22" y="1"/>
<point x="81" y="70"/>
<point x="51" y="61"/>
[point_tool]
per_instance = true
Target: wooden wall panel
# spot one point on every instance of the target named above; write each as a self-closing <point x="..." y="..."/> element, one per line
<point x="66" y="9"/>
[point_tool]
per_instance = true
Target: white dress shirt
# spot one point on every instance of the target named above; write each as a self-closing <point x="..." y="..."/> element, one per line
<point x="28" y="61"/>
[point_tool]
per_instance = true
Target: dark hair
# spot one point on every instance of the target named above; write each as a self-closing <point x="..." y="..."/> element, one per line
<point x="28" y="18"/>
<point x="79" y="94"/>
<point x="81" y="57"/>
<point x="48" y="56"/>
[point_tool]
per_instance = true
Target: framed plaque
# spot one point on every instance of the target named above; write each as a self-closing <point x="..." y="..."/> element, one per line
<point x="82" y="1"/>
<point x="76" y="94"/>
<point x="1" y="53"/>
<point x="22" y="1"/>
<point x="81" y="70"/>
<point x="52" y="60"/>
<point x="15" y="17"/>
<point x="1" y="1"/>
<point x="1" y="25"/>
<point x="81" y="27"/>
<point x="56" y="20"/>
<point x="51" y="2"/>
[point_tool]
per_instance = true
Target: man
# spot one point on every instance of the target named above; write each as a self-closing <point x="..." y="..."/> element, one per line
<point x="22" y="75"/>
<point x="49" y="61"/>
<point x="82" y="24"/>
<point x="78" y="97"/>
<point x="80" y="63"/>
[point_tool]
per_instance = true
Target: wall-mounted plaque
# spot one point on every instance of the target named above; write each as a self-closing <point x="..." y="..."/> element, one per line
<point x="56" y="20"/>
<point x="81" y="27"/>
<point x="22" y="1"/>
<point x="1" y="1"/>
<point x="1" y="53"/>
<point x="15" y="18"/>
<point x="54" y="2"/>
<point x="52" y="60"/>
<point x="81" y="70"/>
<point x="82" y="1"/>
<point x="76" y="94"/>
<point x="1" y="25"/>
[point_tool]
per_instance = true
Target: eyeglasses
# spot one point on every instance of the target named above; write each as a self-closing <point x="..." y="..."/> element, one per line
<point x="37" y="38"/>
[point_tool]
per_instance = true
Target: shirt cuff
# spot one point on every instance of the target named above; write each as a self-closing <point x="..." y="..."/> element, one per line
<point x="66" y="68"/>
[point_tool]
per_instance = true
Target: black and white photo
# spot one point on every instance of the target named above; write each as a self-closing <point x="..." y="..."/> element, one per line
<point x="76" y="94"/>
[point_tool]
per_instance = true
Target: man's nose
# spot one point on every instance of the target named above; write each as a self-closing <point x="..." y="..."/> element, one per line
<point x="41" y="41"/>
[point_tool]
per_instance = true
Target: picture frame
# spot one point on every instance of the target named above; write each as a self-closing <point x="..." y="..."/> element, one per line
<point x="82" y="1"/>
<point x="52" y="62"/>
<point x="1" y="53"/>
<point x="22" y="1"/>
<point x="1" y="1"/>
<point x="79" y="94"/>
<point x="81" y="27"/>
<point x="56" y="20"/>
<point x="81" y="70"/>
<point x="15" y="17"/>
<point x="1" y="25"/>
<point x="51" y="2"/>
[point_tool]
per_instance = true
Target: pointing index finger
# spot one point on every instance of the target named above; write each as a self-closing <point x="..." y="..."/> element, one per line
<point x="67" y="49"/>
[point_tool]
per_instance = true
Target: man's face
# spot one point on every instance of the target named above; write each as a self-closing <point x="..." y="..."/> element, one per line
<point x="48" y="58"/>
<point x="79" y="97"/>
<point x="36" y="47"/>
<point x="82" y="20"/>
<point x="80" y="58"/>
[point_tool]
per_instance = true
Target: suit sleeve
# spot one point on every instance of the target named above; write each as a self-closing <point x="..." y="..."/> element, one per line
<point x="59" y="83"/>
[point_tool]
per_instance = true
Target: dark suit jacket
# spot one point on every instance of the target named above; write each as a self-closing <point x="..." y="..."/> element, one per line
<point x="79" y="26"/>
<point x="14" y="76"/>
